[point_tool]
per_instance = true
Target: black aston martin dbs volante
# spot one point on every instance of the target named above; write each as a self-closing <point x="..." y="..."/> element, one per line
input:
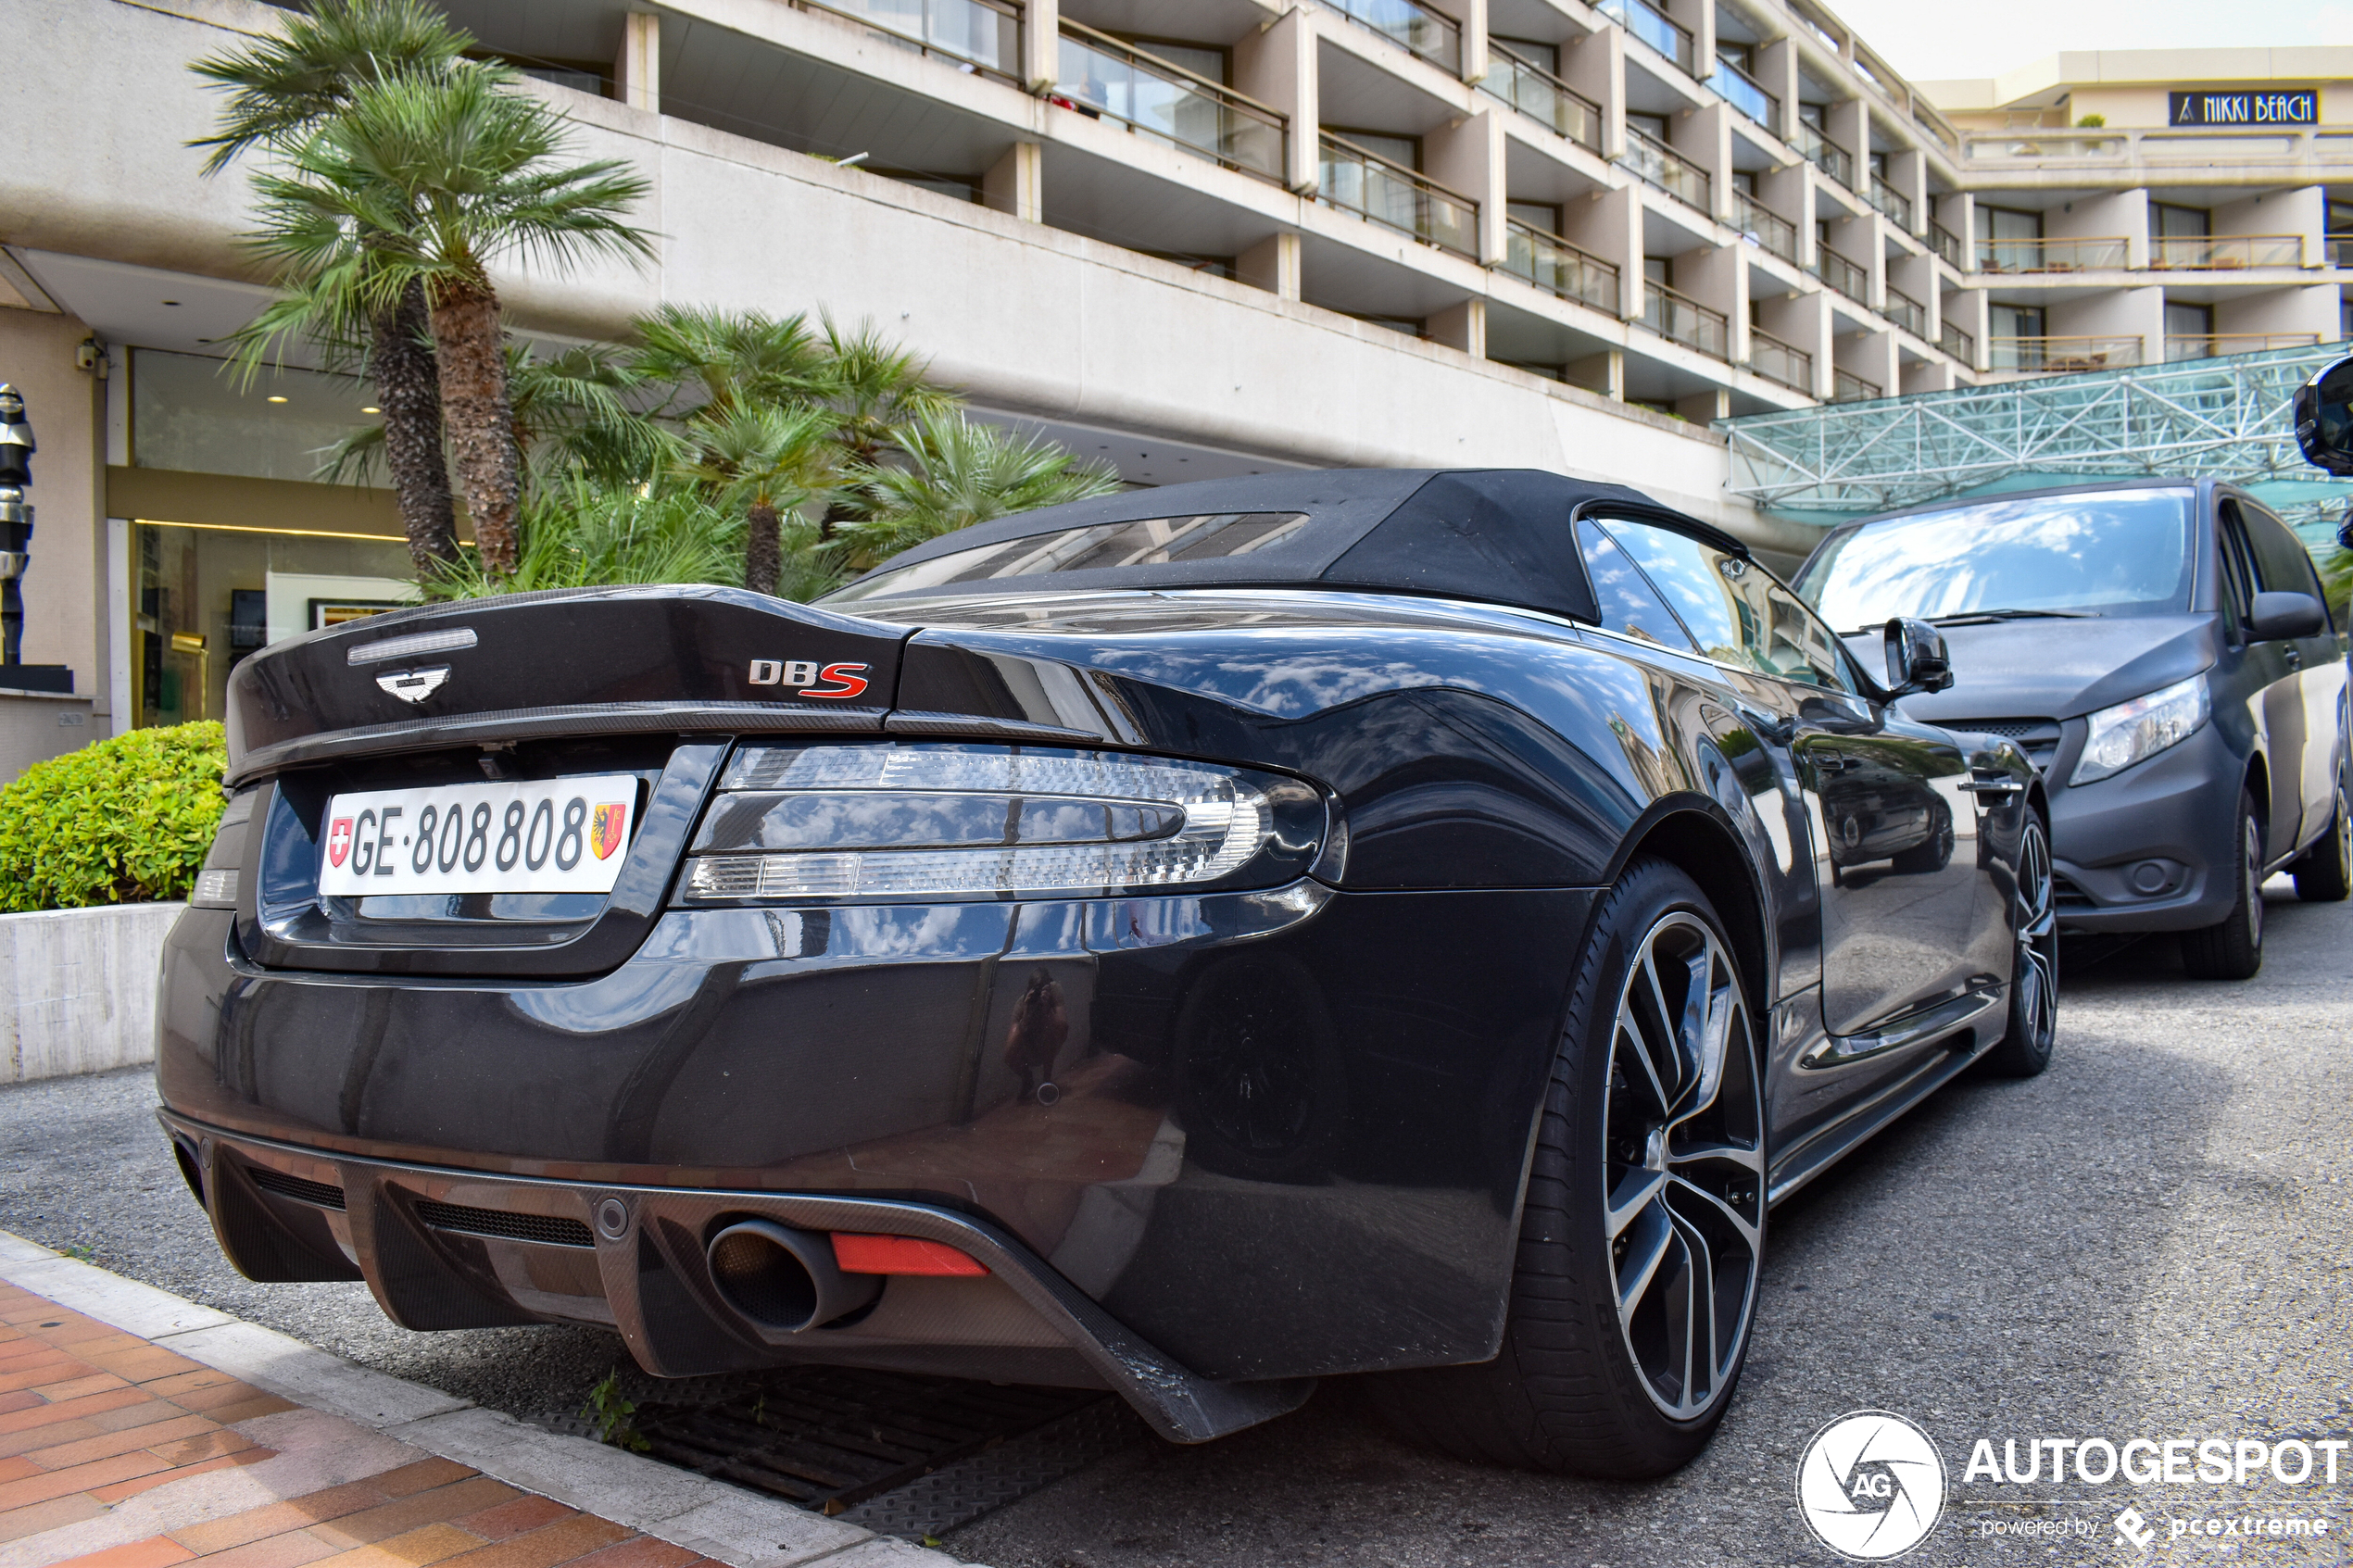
<point x="1190" y="943"/>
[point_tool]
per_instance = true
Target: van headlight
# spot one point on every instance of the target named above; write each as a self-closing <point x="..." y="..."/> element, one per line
<point x="2136" y="730"/>
<point x="837" y="821"/>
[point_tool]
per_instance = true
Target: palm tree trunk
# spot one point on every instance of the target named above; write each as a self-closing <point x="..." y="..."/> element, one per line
<point x="402" y="366"/>
<point x="471" y="354"/>
<point x="764" y="548"/>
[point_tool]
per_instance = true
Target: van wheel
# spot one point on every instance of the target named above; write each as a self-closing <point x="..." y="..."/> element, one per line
<point x="2324" y="873"/>
<point x="1644" y="1227"/>
<point x="2233" y="949"/>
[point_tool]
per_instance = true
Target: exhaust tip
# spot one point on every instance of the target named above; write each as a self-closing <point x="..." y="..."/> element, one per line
<point x="782" y="1279"/>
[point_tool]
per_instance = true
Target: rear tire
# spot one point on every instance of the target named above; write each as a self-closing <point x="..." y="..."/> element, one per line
<point x="1648" y="1172"/>
<point x="2025" y="1050"/>
<point x="2324" y="873"/>
<point x="2233" y="949"/>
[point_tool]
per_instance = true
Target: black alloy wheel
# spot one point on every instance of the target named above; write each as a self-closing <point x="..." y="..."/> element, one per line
<point x="2324" y="873"/>
<point x="2233" y="949"/>
<point x="2025" y="1049"/>
<point x="1642" y="1235"/>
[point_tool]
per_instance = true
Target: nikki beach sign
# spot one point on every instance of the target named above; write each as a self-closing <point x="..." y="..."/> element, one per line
<point x="2299" y="106"/>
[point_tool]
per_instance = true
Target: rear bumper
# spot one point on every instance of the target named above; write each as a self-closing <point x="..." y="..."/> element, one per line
<point x="631" y="1258"/>
<point x="2178" y="811"/>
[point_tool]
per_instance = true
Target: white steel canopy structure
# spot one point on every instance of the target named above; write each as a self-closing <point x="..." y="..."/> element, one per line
<point x="2214" y="418"/>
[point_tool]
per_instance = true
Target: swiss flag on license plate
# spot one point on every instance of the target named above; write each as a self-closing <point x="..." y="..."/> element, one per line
<point x="338" y="841"/>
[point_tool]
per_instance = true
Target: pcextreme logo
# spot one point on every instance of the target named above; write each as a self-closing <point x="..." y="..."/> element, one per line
<point x="840" y="682"/>
<point x="1871" y="1486"/>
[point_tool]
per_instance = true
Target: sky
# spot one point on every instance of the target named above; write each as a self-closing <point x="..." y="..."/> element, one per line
<point x="1929" y="41"/>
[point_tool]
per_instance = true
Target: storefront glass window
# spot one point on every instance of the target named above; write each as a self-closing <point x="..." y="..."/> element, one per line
<point x="191" y="413"/>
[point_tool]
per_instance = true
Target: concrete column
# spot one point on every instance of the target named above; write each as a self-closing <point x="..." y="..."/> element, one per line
<point x="1716" y="276"/>
<point x="2136" y="312"/>
<point x="1609" y="224"/>
<point x="1596" y="67"/>
<point x="1015" y="183"/>
<point x="636" y="70"/>
<point x="1041" y="35"/>
<point x="2302" y="212"/>
<point x="2312" y="309"/>
<point x="1849" y="127"/>
<point x="1468" y="157"/>
<point x="1277" y="65"/>
<point x="1967" y="309"/>
<point x="1707" y="142"/>
<point x="1706" y="408"/>
<point x="1462" y="326"/>
<point x="1473" y="16"/>
<point x="1908" y="173"/>
<point x="1272" y="264"/>
<point x="1603" y="372"/>
<point x="1777" y="73"/>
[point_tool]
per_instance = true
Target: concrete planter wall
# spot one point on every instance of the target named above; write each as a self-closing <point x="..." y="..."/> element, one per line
<point x="78" y="989"/>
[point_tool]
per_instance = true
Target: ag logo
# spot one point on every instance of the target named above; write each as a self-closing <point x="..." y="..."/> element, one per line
<point x="1871" y="1485"/>
<point x="841" y="681"/>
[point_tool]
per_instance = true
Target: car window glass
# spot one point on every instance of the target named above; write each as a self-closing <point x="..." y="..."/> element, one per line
<point x="1734" y="610"/>
<point x="2281" y="561"/>
<point x="1629" y="604"/>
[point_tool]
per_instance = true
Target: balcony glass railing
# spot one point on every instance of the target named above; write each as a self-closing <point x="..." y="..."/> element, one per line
<point x="1681" y="319"/>
<point x="1769" y="230"/>
<point x="1947" y="244"/>
<point x="982" y="33"/>
<point x="1824" y="154"/>
<point x="1432" y="35"/>
<point x="1667" y="169"/>
<point x="1737" y="88"/>
<point x="1776" y="361"/>
<point x="2336" y="250"/>
<point x="1890" y="201"/>
<point x="1559" y="268"/>
<point x="2050" y="256"/>
<point x="2214" y="345"/>
<point x="1848" y="387"/>
<point x="1656" y="29"/>
<point x="2061" y="355"/>
<point x="1853" y="281"/>
<point x="1957" y="343"/>
<point x="1541" y="96"/>
<point x="2225" y="252"/>
<point x="1906" y="312"/>
<point x="1102" y="78"/>
<point x="1370" y="186"/>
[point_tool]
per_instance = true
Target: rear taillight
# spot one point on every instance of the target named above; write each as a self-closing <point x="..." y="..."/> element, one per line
<point x="950" y="820"/>
<point x="216" y="882"/>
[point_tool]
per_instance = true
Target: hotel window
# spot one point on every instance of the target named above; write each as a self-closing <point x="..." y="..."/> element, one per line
<point x="2008" y="240"/>
<point x="2171" y="222"/>
<point x="2017" y="334"/>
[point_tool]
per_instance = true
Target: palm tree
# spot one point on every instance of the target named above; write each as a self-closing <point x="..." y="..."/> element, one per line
<point x="878" y="392"/>
<point x="959" y="473"/>
<point x="722" y="359"/>
<point x="428" y="179"/>
<point x="765" y="459"/>
<point x="280" y="89"/>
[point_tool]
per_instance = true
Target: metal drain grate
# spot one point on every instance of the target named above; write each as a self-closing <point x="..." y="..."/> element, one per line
<point x="900" y="1452"/>
<point x="320" y="1195"/>
<point x="547" y="1229"/>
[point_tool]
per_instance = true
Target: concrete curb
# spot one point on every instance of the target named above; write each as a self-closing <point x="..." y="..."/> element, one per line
<point x="710" y="1517"/>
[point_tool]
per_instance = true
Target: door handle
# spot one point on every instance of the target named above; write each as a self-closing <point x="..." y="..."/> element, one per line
<point x="2294" y="657"/>
<point x="2004" y="785"/>
<point x="1836" y="764"/>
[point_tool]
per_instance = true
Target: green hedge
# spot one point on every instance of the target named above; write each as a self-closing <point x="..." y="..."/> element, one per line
<point x="119" y="822"/>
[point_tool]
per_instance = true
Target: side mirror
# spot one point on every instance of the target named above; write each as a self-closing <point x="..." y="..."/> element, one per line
<point x="2275" y="616"/>
<point x="2325" y="419"/>
<point x="1916" y="658"/>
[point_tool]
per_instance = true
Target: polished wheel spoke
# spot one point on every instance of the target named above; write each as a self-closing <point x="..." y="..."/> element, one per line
<point x="1713" y="1207"/>
<point x="1646" y="1249"/>
<point x="1636" y="1191"/>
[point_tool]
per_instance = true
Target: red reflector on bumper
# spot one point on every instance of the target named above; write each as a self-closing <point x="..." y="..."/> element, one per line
<point x="900" y="1255"/>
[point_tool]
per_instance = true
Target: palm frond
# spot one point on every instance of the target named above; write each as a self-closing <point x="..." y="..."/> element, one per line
<point x="280" y="87"/>
<point x="959" y="473"/>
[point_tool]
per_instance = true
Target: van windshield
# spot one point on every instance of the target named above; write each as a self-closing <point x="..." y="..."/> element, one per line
<point x="2114" y="552"/>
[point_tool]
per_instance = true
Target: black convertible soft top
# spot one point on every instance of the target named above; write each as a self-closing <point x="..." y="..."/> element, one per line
<point x="1500" y="535"/>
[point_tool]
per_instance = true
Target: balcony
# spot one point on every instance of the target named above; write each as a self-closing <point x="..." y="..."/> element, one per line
<point x="1681" y="319"/>
<point x="1739" y="89"/>
<point x="1434" y="35"/>
<point x="1103" y="78"/>
<point x="1906" y="312"/>
<point x="1890" y="201"/>
<point x="2336" y="250"/>
<point x="2225" y="252"/>
<point x="1656" y="29"/>
<point x="1847" y="387"/>
<point x="985" y="34"/>
<point x="1559" y="268"/>
<point x="1957" y="343"/>
<point x="1769" y="230"/>
<point x="2214" y="345"/>
<point x="1378" y="191"/>
<point x="1947" y="244"/>
<point x="2062" y="355"/>
<point x="1853" y="281"/>
<point x="1776" y="361"/>
<point x="1825" y="154"/>
<point x="2050" y="256"/>
<point x="1667" y="169"/>
<point x="1541" y="96"/>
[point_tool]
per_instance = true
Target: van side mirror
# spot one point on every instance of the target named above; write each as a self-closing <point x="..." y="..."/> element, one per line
<point x="1917" y="660"/>
<point x="2325" y="419"/>
<point x="2275" y="616"/>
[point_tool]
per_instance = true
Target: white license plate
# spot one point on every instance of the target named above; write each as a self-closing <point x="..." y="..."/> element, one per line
<point x="551" y="836"/>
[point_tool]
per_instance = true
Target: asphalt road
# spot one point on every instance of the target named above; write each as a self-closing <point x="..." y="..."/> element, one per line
<point x="2150" y="1240"/>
